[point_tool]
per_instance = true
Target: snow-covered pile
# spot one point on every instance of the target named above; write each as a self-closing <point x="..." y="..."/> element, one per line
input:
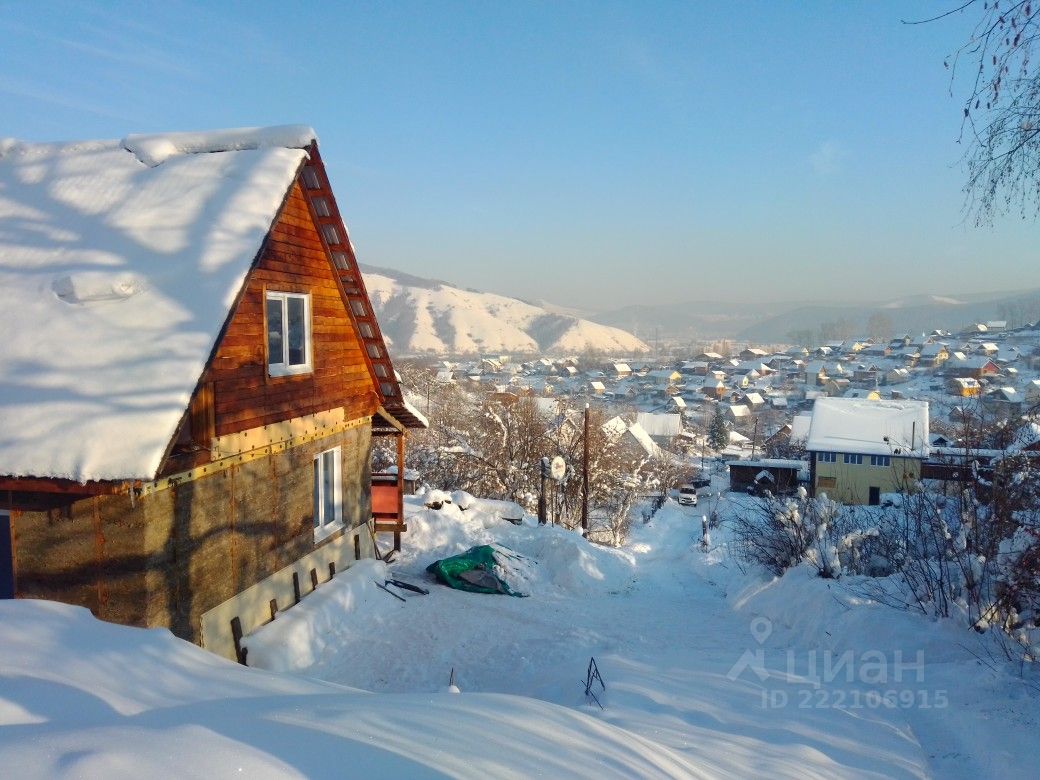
<point x="561" y="559"/>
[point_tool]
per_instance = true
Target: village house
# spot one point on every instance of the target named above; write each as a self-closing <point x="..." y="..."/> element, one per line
<point x="195" y="376"/>
<point x="777" y="476"/>
<point x="861" y="449"/>
<point x="963" y="386"/>
<point x="752" y="354"/>
<point x="664" y="377"/>
<point x="1031" y="393"/>
<point x="976" y="366"/>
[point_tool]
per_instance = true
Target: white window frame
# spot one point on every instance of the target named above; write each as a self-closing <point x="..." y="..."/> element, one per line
<point x="852" y="459"/>
<point x="325" y="526"/>
<point x="283" y="367"/>
<point x="881" y="460"/>
<point x="826" y="457"/>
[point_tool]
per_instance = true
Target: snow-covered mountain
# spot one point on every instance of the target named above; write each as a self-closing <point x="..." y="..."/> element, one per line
<point x="429" y="316"/>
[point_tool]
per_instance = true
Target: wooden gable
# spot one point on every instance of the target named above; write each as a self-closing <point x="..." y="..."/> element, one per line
<point x="309" y="251"/>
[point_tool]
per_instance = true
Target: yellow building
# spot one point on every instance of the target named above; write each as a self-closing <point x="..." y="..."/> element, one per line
<point x="861" y="449"/>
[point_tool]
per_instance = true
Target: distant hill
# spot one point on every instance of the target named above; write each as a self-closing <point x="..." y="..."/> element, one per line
<point x="695" y="320"/>
<point x="773" y="322"/>
<point x="915" y="314"/>
<point x="420" y="315"/>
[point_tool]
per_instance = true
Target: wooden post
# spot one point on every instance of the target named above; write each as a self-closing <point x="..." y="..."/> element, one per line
<point x="236" y="636"/>
<point x="296" y="586"/>
<point x="585" y="479"/>
<point x="332" y="569"/>
<point x="400" y="490"/>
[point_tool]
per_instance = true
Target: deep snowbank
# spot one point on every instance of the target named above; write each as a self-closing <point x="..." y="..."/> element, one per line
<point x="83" y="698"/>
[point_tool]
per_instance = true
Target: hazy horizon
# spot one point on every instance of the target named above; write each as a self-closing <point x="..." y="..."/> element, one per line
<point x="592" y="155"/>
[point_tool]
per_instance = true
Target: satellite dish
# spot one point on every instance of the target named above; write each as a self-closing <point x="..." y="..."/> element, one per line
<point x="558" y="468"/>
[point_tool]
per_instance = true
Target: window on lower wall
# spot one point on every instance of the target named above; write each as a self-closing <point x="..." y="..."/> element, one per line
<point x="854" y="459"/>
<point x="288" y="333"/>
<point x="880" y="460"/>
<point x="328" y="494"/>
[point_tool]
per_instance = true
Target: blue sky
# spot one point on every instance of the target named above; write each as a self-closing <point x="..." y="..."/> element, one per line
<point x="594" y="154"/>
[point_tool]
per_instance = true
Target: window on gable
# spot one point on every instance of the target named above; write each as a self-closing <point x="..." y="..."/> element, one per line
<point x="328" y="493"/>
<point x="330" y="233"/>
<point x="321" y="207"/>
<point x="310" y="179"/>
<point x="288" y="333"/>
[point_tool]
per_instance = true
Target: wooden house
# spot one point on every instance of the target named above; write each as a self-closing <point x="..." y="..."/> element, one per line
<point x="861" y="449"/>
<point x="963" y="387"/>
<point x="976" y="366"/>
<point x="195" y="378"/>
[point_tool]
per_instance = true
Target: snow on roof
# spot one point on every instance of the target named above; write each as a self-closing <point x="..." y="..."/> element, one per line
<point x="154" y="150"/>
<point x="643" y="438"/>
<point x="615" y="426"/>
<point x="410" y="408"/>
<point x="860" y="426"/>
<point x="115" y="279"/>
<point x="660" y="424"/>
<point x="776" y="463"/>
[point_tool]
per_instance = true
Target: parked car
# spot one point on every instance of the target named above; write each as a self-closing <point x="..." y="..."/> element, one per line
<point x="688" y="495"/>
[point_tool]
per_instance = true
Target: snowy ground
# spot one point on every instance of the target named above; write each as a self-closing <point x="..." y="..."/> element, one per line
<point x="684" y="640"/>
<point x="709" y="672"/>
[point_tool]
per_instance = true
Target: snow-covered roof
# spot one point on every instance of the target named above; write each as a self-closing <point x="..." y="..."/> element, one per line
<point x="869" y="427"/>
<point x="660" y="424"/>
<point x="643" y="438"/>
<point x="119" y="261"/>
<point x="800" y="426"/>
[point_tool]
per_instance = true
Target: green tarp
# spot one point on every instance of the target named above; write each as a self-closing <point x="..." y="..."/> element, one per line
<point x="473" y="570"/>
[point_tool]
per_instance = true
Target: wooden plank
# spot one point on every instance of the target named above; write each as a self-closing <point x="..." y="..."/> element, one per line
<point x="63" y="486"/>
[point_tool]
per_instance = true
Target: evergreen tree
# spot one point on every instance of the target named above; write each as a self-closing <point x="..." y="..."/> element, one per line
<point x="718" y="430"/>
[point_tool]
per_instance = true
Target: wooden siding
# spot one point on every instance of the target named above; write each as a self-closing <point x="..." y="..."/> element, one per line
<point x="165" y="559"/>
<point x="236" y="384"/>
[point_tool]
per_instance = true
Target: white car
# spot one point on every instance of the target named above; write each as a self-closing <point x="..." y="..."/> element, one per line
<point x="688" y="495"/>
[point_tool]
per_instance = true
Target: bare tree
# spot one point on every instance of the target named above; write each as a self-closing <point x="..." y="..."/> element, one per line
<point x="1001" y="110"/>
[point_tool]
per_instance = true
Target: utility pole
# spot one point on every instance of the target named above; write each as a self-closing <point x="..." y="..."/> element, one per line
<point x="754" y="439"/>
<point x="585" y="479"/>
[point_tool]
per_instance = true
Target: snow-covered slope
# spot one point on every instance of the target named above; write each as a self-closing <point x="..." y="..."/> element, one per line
<point x="421" y="315"/>
<point x="80" y="698"/>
